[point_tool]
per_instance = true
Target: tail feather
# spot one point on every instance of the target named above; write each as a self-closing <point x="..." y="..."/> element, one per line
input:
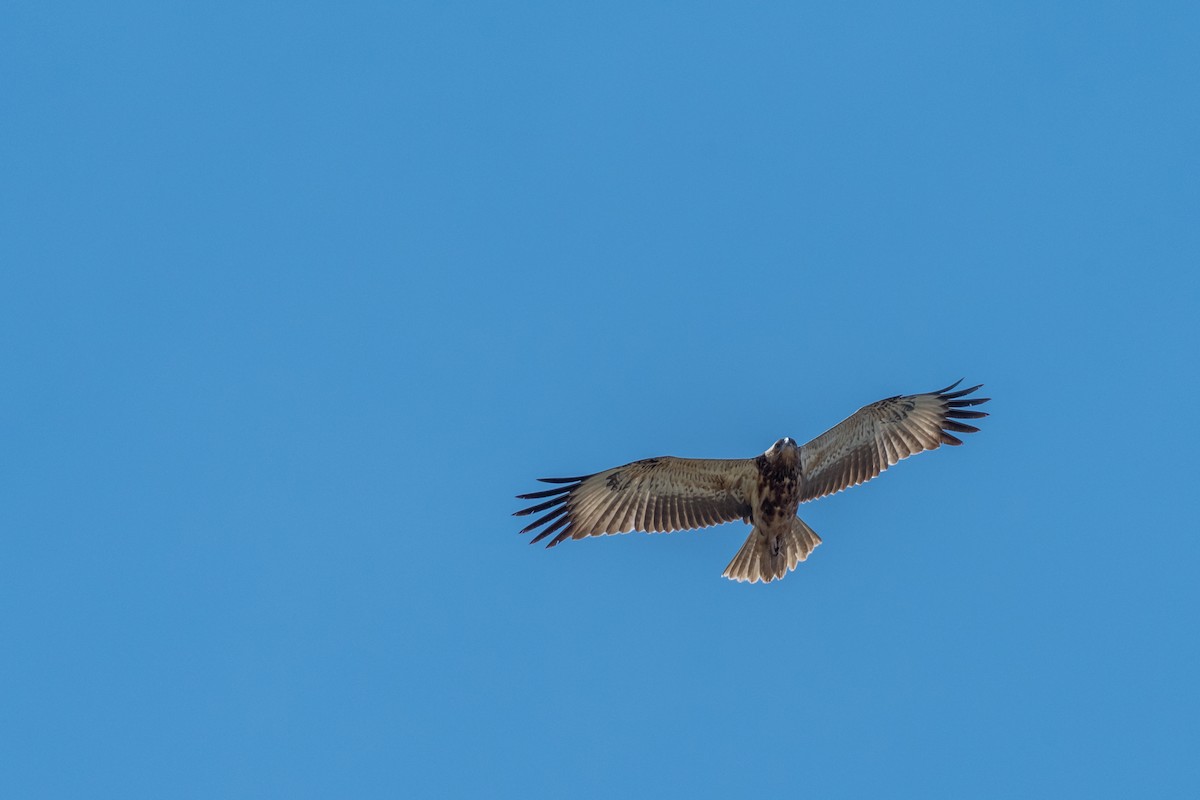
<point x="767" y="557"/>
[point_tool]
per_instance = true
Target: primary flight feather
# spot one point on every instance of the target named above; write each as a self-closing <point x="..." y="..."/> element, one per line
<point x="671" y="494"/>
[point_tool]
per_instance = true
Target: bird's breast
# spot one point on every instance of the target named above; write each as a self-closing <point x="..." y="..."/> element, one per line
<point x="778" y="494"/>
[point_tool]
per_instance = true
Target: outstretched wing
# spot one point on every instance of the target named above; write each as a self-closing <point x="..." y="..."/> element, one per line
<point x="654" y="495"/>
<point x="877" y="436"/>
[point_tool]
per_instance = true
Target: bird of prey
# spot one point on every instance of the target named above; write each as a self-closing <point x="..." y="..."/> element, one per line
<point x="667" y="494"/>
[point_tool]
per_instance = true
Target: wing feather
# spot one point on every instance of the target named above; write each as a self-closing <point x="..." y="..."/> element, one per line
<point x="655" y="495"/>
<point x="549" y="529"/>
<point x="639" y="511"/>
<point x="881" y="434"/>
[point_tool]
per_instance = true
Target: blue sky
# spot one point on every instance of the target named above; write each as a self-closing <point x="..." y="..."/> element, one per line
<point x="297" y="297"/>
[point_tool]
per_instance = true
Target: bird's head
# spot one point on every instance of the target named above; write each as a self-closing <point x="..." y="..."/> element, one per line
<point x="785" y="448"/>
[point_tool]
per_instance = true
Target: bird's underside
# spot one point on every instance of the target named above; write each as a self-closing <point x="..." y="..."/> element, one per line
<point x="660" y="495"/>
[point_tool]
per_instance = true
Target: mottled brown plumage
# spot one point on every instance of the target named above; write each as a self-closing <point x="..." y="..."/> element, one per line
<point x="669" y="494"/>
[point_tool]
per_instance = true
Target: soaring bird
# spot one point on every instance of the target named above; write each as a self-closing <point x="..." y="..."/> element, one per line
<point x="667" y="494"/>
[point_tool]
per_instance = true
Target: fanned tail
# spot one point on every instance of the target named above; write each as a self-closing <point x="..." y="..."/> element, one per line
<point x="767" y="557"/>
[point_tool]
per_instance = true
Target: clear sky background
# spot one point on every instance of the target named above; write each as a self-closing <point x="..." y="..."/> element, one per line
<point x="296" y="297"/>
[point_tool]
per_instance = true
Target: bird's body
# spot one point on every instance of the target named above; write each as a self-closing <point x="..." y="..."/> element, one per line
<point x="668" y="494"/>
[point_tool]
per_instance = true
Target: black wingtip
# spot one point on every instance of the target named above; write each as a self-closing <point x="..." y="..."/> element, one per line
<point x="558" y="512"/>
<point x="948" y="388"/>
<point x="949" y="395"/>
<point x="954" y="398"/>
<point x="547" y="493"/>
<point x="558" y="515"/>
<point x="955" y="406"/>
<point x="551" y="528"/>
<point x="554" y="501"/>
